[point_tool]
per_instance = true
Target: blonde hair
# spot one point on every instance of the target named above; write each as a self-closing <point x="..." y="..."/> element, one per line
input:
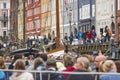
<point x="106" y="66"/>
<point x="19" y="65"/>
<point x="2" y="65"/>
<point x="84" y="62"/>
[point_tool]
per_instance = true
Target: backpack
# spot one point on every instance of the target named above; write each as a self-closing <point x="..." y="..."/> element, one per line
<point x="109" y="32"/>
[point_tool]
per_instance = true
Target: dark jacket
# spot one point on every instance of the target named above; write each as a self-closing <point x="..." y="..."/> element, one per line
<point x="80" y="76"/>
<point x="49" y="76"/>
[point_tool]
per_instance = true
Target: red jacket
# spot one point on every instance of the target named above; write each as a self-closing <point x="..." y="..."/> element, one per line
<point x="68" y="69"/>
<point x="89" y="35"/>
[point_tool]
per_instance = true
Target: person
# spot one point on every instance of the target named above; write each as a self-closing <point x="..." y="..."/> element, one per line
<point x="66" y="37"/>
<point x="69" y="64"/>
<point x="80" y="37"/>
<point x="44" y="57"/>
<point x="82" y="66"/>
<point x="93" y="35"/>
<point x="117" y="63"/>
<point x="71" y="37"/>
<point x="20" y="65"/>
<point x="29" y="42"/>
<point x="108" y="66"/>
<point x="112" y="46"/>
<point x="19" y="56"/>
<point x="97" y="61"/>
<point x="2" y="66"/>
<point x="51" y="66"/>
<point x="89" y="37"/>
<point x="38" y="65"/>
<point x="45" y="40"/>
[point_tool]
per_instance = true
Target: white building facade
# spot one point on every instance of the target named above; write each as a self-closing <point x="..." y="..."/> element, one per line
<point x="105" y="15"/>
<point x="4" y="17"/>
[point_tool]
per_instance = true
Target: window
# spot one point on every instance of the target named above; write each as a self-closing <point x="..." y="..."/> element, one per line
<point x="4" y="5"/>
<point x="118" y="4"/>
<point x="4" y="24"/>
<point x="93" y="10"/>
<point x="4" y="33"/>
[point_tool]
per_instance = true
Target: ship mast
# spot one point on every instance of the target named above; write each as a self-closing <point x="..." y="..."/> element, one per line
<point x="57" y="25"/>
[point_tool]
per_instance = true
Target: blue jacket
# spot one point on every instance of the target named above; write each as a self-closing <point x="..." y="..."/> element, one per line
<point x="79" y="36"/>
<point x="2" y="75"/>
<point x="110" y="76"/>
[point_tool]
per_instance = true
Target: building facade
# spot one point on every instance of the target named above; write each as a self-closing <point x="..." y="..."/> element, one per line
<point x="46" y="7"/>
<point x="13" y="20"/>
<point x="118" y="20"/>
<point x="69" y="16"/>
<point x="105" y="16"/>
<point x="86" y="15"/>
<point x="32" y="17"/>
<point x="20" y="19"/>
<point x="4" y="18"/>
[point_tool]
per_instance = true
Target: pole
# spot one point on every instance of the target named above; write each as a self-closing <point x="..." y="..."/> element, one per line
<point x="57" y="25"/>
<point x="24" y="29"/>
<point x="63" y="18"/>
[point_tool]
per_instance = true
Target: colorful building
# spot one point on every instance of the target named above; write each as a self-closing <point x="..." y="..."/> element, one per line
<point x="45" y="16"/>
<point x="20" y="19"/>
<point x="32" y="16"/>
<point x="117" y="20"/>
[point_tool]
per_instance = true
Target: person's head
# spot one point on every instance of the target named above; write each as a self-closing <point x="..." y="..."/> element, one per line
<point x="83" y="63"/>
<point x="90" y="57"/>
<point x="51" y="63"/>
<point x="37" y="62"/>
<point x="19" y="56"/>
<point x="99" y="52"/>
<point x="2" y="65"/>
<point x="7" y="58"/>
<point x="68" y="61"/>
<point x="31" y="56"/>
<point x="117" y="63"/>
<point x="107" y="66"/>
<point x="43" y="56"/>
<point x="98" y="59"/>
<point x="19" y="65"/>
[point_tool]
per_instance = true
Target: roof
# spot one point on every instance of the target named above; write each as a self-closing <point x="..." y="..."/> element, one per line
<point x="24" y="51"/>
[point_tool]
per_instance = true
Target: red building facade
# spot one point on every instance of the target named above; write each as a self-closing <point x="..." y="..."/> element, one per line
<point x="118" y="20"/>
<point x="32" y="18"/>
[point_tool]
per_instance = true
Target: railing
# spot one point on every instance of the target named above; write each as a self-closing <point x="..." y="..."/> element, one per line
<point x="34" y="72"/>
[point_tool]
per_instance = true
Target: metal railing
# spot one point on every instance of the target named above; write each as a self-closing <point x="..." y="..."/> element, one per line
<point x="34" y="72"/>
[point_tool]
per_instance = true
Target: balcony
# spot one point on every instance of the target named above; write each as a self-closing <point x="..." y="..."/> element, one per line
<point x="3" y="18"/>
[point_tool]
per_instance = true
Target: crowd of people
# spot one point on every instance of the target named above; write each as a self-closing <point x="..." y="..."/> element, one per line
<point x="63" y="63"/>
<point x="90" y="36"/>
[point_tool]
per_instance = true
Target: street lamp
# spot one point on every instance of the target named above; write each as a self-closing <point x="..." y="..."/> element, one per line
<point x="112" y="24"/>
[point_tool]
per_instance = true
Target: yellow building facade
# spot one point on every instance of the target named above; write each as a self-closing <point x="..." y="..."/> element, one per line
<point x="20" y="20"/>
